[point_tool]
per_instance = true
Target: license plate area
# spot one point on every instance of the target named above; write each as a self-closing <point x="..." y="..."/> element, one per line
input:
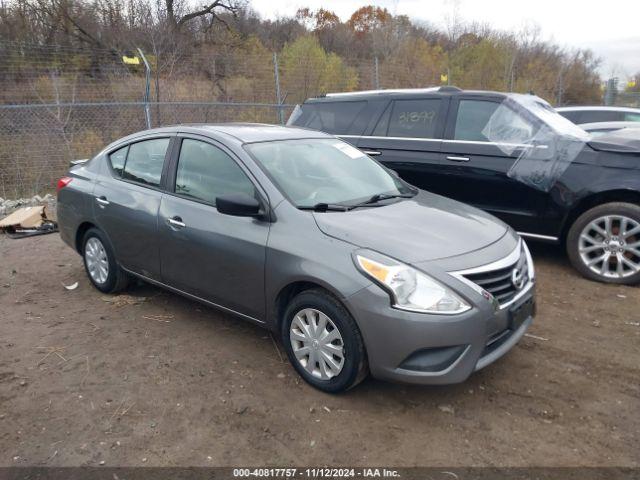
<point x="518" y="314"/>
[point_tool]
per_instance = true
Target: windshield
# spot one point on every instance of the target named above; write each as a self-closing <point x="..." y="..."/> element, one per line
<point x="325" y="171"/>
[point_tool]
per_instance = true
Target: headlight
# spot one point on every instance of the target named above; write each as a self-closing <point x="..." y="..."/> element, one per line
<point x="530" y="267"/>
<point x="409" y="288"/>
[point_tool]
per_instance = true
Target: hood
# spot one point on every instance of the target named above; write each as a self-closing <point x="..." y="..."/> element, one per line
<point x="425" y="227"/>
<point x="621" y="141"/>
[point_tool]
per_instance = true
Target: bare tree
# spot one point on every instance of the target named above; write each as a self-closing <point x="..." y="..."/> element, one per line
<point x="177" y="14"/>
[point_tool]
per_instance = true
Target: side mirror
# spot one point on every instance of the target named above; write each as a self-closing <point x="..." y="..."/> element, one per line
<point x="238" y="204"/>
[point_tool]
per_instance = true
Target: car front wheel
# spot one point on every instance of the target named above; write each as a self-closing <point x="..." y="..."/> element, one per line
<point x="323" y="342"/>
<point x="604" y="243"/>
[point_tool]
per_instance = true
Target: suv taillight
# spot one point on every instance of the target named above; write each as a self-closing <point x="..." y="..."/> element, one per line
<point x="63" y="182"/>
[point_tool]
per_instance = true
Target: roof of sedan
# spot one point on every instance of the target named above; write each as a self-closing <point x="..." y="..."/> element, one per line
<point x="251" y="132"/>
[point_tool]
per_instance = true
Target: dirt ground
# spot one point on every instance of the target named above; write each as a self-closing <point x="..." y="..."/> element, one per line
<point x="151" y="378"/>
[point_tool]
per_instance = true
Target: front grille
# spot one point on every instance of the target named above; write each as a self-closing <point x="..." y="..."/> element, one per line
<point x="504" y="283"/>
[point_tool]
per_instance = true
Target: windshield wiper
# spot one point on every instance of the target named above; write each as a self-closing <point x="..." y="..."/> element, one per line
<point x="378" y="197"/>
<point x="338" y="207"/>
<point x="325" y="207"/>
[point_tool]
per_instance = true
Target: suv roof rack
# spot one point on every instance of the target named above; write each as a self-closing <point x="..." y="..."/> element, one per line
<point x="446" y="88"/>
<point x="450" y="88"/>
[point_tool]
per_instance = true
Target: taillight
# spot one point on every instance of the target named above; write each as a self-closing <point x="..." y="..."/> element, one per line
<point x="63" y="182"/>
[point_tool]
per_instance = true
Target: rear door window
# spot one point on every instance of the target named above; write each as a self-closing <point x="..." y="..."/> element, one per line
<point x="410" y="119"/>
<point x="339" y="118"/>
<point x="632" y="117"/>
<point x="145" y="161"/>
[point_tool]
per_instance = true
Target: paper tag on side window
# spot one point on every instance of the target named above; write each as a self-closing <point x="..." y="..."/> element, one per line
<point x="348" y="150"/>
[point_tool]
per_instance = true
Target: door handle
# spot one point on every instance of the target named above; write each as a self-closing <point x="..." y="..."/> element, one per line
<point x="372" y="153"/>
<point x="176" y="222"/>
<point x="458" y="159"/>
<point x="102" y="201"/>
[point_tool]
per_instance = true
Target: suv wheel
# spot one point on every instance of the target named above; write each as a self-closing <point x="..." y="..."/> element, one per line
<point x="604" y="243"/>
<point x="100" y="263"/>
<point x="323" y="342"/>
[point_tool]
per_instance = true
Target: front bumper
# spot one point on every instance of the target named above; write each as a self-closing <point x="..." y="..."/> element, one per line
<point x="435" y="349"/>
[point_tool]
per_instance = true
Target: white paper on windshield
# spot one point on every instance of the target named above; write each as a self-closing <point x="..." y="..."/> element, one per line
<point x="348" y="150"/>
<point x="545" y="142"/>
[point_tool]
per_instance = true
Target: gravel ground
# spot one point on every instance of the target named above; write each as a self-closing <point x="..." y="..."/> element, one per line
<point x="150" y="378"/>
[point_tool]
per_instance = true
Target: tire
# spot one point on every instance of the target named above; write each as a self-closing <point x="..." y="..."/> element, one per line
<point x="96" y="245"/>
<point x="611" y="229"/>
<point x="311" y="305"/>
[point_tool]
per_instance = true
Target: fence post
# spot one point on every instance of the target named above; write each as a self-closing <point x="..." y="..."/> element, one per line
<point x="147" y="89"/>
<point x="560" y="88"/>
<point x="376" y="73"/>
<point x="276" y="73"/>
<point x="611" y="91"/>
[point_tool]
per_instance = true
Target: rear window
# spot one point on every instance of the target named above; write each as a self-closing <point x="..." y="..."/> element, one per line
<point x="572" y="115"/>
<point x="593" y="116"/>
<point x="340" y="118"/>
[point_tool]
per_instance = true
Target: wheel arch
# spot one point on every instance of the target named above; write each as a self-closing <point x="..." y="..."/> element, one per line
<point x="80" y="232"/>
<point x="289" y="291"/>
<point x="595" y="199"/>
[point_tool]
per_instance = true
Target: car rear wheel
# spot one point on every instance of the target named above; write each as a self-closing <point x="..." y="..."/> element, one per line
<point x="100" y="263"/>
<point x="323" y="342"/>
<point x="604" y="243"/>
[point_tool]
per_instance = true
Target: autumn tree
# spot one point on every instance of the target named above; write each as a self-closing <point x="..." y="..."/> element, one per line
<point x="308" y="70"/>
<point x="416" y="64"/>
<point x="332" y="34"/>
<point x="477" y="63"/>
<point x="185" y="39"/>
<point x="368" y="18"/>
<point x="317" y="20"/>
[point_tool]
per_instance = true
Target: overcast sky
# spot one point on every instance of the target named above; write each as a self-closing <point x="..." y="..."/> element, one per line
<point x="610" y="28"/>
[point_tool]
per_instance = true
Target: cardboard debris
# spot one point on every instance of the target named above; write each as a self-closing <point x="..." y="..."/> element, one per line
<point x="27" y="222"/>
<point x="26" y="217"/>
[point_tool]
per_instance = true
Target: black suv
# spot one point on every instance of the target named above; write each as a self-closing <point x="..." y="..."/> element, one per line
<point x="509" y="154"/>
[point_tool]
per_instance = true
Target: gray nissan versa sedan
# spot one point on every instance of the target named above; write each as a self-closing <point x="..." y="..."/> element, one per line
<point x="355" y="270"/>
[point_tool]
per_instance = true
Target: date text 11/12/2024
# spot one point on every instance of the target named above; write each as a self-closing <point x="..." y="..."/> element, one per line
<point x="316" y="472"/>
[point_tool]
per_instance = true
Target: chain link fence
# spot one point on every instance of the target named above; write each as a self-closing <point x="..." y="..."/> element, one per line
<point x="58" y="104"/>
